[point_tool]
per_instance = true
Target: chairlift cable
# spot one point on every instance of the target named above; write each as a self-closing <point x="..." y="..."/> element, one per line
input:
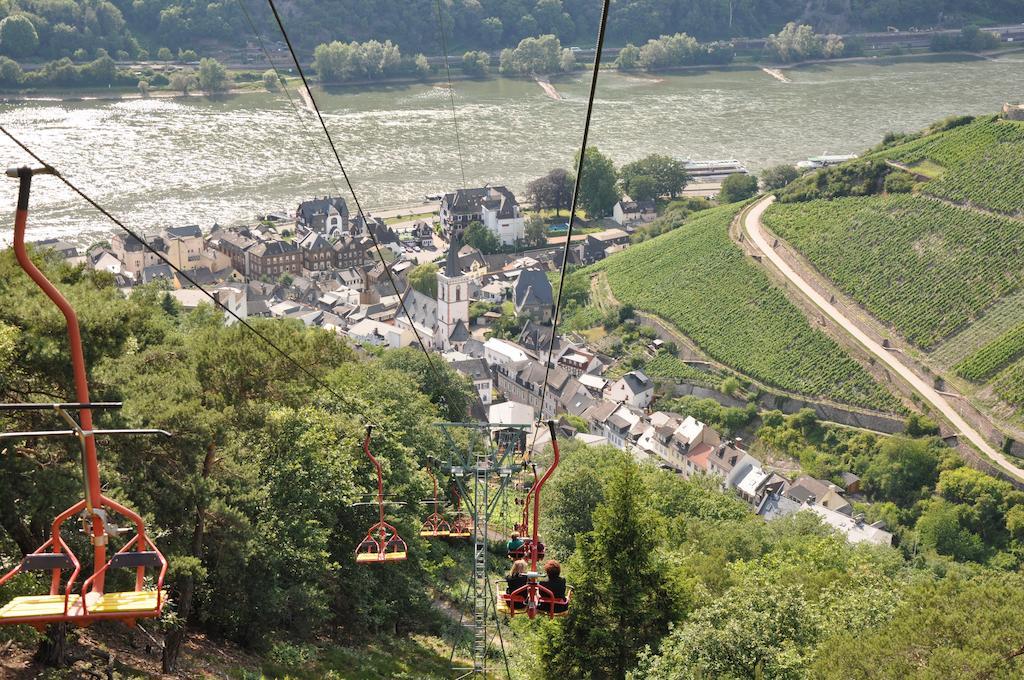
<point x="572" y="209"/>
<point x="451" y="91"/>
<point x="163" y="258"/>
<point x="284" y="87"/>
<point x="348" y="183"/>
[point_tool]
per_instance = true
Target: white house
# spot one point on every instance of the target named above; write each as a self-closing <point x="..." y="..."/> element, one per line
<point x="495" y="207"/>
<point x="498" y="352"/>
<point x="634" y="388"/>
<point x="380" y="334"/>
<point x="480" y="375"/>
<point x="628" y="211"/>
<point x="106" y="261"/>
<point x="505" y="219"/>
<point x="510" y="413"/>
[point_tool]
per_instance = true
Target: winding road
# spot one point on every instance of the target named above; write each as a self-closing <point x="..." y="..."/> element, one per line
<point x="754" y="228"/>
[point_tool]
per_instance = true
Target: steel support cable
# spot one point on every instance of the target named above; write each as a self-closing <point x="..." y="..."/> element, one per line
<point x="357" y="405"/>
<point x="348" y="183"/>
<point x="572" y="209"/>
<point x="451" y="91"/>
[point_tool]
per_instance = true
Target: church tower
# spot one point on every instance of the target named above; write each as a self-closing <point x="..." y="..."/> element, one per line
<point x="452" y="302"/>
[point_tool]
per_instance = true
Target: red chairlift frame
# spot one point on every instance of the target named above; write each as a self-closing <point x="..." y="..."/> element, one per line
<point x="435" y="525"/>
<point x="382" y="542"/>
<point x="93" y="503"/>
<point x="534" y="595"/>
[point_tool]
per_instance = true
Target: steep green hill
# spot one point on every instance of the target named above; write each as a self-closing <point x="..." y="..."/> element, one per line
<point x="696" y="278"/>
<point x="925" y="233"/>
<point x="923" y="266"/>
<point x="979" y="164"/>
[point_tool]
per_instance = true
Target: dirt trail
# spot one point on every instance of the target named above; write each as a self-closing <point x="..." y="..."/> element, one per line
<point x="754" y="228"/>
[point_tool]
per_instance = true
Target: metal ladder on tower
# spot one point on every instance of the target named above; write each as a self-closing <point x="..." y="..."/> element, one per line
<point x="481" y="591"/>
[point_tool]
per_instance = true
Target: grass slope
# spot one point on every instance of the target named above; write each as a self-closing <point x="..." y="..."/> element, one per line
<point x="699" y="280"/>
<point x="927" y="268"/>
<point x="980" y="163"/>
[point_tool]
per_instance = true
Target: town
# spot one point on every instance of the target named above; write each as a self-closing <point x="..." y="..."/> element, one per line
<point x="320" y="266"/>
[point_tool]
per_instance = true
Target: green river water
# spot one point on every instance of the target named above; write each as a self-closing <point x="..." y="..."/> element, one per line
<point x="161" y="163"/>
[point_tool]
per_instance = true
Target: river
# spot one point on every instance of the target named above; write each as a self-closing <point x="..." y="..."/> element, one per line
<point x="157" y="163"/>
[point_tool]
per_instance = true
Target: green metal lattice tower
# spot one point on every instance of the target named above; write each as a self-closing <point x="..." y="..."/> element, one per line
<point x="483" y="459"/>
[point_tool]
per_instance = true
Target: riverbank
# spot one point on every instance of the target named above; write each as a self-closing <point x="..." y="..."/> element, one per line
<point x="398" y="142"/>
<point x="547" y="83"/>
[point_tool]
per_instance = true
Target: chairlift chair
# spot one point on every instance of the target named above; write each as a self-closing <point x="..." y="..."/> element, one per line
<point x="523" y="528"/>
<point x="462" y="524"/>
<point x="435" y="525"/>
<point x="92" y="602"/>
<point x="535" y="597"/>
<point x="382" y="542"/>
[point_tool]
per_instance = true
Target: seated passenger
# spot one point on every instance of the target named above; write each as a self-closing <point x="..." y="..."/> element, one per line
<point x="556" y="584"/>
<point x="515" y="544"/>
<point x="516" y="580"/>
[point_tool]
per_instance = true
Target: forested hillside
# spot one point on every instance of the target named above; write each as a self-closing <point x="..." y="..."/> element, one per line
<point x="252" y="498"/>
<point x="59" y="27"/>
<point x="676" y="581"/>
<point x="697" y="279"/>
<point x="924" y="233"/>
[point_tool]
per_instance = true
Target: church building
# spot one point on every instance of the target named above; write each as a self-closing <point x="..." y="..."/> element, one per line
<point x="442" y="324"/>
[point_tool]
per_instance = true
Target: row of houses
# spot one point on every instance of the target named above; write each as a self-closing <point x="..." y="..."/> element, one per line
<point x="689" y="447"/>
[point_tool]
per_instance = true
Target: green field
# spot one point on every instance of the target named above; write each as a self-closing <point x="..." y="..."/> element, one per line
<point x="981" y="163"/>
<point x="924" y="267"/>
<point x="696" y="278"/>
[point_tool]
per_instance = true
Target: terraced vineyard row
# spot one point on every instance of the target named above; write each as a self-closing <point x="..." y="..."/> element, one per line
<point x="1010" y="384"/>
<point x="664" y="365"/>
<point x="699" y="280"/>
<point x="988" y="361"/>
<point x="924" y="267"/>
<point x="999" y="318"/>
<point x="983" y="163"/>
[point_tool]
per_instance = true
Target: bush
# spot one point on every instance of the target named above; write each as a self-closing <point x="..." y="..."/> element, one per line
<point x="164" y="54"/>
<point x="10" y="72"/>
<point x="737" y="187"/>
<point x="270" y="80"/>
<point x="899" y="183"/>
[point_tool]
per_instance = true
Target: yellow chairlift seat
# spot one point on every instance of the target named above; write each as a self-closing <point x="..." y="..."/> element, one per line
<point x="429" y="533"/>
<point x="37" y="606"/>
<point x="378" y="557"/>
<point x="130" y="602"/>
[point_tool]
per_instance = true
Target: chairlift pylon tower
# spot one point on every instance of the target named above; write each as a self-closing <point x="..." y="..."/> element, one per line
<point x="483" y="459"/>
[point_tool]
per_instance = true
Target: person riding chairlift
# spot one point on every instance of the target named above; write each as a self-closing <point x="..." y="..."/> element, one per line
<point x="556" y="584"/>
<point x="515" y="544"/>
<point x="517" y="579"/>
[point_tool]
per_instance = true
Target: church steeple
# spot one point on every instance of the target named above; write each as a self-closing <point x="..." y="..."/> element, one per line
<point x="452" y="298"/>
<point x="451" y="264"/>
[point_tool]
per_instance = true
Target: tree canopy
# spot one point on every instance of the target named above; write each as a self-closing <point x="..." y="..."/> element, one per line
<point x="598" y="183"/>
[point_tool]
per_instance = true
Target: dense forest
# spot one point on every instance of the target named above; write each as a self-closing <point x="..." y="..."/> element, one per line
<point x="258" y="451"/>
<point x="59" y="27"/>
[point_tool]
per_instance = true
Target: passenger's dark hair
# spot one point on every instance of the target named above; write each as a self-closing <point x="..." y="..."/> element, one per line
<point x="553" y="569"/>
